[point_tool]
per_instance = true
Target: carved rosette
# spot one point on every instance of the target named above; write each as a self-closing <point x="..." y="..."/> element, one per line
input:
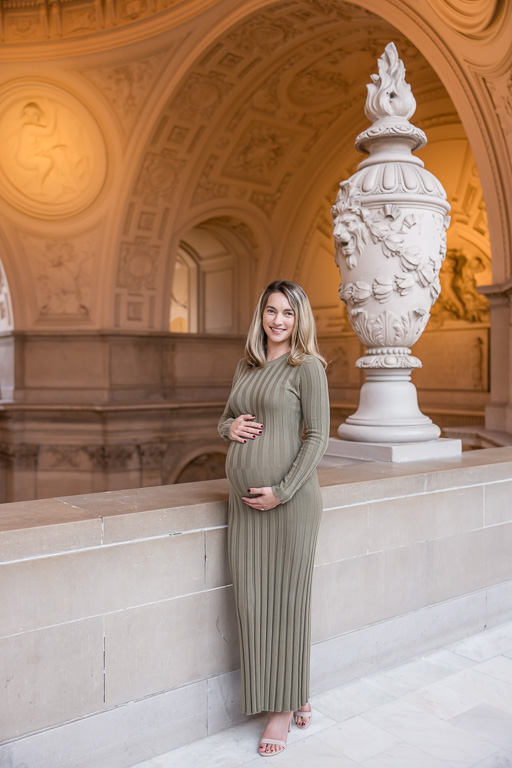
<point x="389" y="226"/>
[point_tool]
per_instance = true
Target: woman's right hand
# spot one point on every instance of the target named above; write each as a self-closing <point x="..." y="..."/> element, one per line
<point x="241" y="430"/>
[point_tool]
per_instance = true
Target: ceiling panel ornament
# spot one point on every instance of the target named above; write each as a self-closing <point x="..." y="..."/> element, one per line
<point x="259" y="152"/>
<point x="208" y="189"/>
<point x="138" y="265"/>
<point x="127" y="87"/>
<point x="53" y="162"/>
<point x="202" y="94"/>
<point x="500" y="88"/>
<point x="263" y="33"/>
<point x="159" y="177"/>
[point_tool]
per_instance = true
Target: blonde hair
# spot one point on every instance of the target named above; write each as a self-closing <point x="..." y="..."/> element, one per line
<point x="303" y="340"/>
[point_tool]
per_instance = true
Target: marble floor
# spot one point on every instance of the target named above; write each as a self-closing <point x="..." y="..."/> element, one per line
<point x="449" y="709"/>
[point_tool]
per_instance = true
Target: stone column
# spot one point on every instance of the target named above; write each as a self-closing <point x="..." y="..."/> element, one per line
<point x="498" y="413"/>
<point x="389" y="225"/>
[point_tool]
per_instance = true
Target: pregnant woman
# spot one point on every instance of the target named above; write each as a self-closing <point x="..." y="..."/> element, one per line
<point x="277" y="419"/>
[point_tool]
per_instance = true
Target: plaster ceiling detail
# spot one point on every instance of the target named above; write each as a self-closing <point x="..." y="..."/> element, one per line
<point x="37" y="20"/>
<point x="126" y="87"/>
<point x="25" y="21"/>
<point x="500" y="88"/>
<point x="254" y="113"/>
<point x="261" y="124"/>
<point x="53" y="162"/>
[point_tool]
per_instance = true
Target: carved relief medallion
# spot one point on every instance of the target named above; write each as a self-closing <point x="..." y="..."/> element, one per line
<point x="53" y="161"/>
<point x="63" y="274"/>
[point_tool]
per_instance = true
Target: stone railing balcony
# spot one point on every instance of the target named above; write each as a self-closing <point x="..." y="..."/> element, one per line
<point x="118" y="632"/>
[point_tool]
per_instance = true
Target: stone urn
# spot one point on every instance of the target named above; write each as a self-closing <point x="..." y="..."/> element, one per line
<point x="389" y="225"/>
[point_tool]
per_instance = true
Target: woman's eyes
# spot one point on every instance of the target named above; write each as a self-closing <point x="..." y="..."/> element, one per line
<point x="286" y="313"/>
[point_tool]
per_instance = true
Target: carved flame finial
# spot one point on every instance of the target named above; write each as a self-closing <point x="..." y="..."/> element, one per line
<point x="388" y="93"/>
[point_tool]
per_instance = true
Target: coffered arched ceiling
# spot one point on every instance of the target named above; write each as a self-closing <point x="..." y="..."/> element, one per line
<point x="262" y="124"/>
<point x="237" y="111"/>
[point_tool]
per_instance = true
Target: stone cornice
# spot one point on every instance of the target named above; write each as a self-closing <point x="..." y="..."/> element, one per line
<point x="23" y="410"/>
<point x="32" y="29"/>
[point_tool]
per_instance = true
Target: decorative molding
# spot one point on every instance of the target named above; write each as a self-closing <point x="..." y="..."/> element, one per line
<point x="138" y="265"/>
<point x="262" y="33"/>
<point x="500" y="88"/>
<point x="201" y="95"/>
<point x="259" y="152"/>
<point x="159" y="177"/>
<point x="152" y="454"/>
<point x="206" y="188"/>
<point x="62" y="457"/>
<point x="321" y="83"/>
<point x="22" y="456"/>
<point x="388" y="336"/>
<point x="126" y="87"/>
<point x="27" y="21"/>
<point x="267" y="202"/>
<point x="110" y="457"/>
<point x="471" y="18"/>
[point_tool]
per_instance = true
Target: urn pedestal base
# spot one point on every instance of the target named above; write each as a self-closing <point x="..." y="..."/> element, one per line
<point x="388" y="411"/>
<point x="340" y="452"/>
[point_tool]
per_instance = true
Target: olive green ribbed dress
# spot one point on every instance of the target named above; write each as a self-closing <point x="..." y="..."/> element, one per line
<point x="271" y="553"/>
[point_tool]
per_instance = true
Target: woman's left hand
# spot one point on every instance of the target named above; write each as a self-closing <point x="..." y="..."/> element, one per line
<point x="263" y="500"/>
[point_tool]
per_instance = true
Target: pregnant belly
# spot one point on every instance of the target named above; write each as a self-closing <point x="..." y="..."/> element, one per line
<point x="253" y="477"/>
<point x="246" y="467"/>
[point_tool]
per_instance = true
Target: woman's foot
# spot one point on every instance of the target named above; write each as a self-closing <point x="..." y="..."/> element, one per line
<point x="303" y="721"/>
<point x="274" y="736"/>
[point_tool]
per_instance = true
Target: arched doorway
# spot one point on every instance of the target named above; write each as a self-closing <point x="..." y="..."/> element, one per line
<point x="212" y="271"/>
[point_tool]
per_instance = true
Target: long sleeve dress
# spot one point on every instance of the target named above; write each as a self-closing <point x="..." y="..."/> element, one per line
<point x="271" y="553"/>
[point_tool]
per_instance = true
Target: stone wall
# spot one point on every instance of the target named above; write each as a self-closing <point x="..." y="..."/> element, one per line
<point x="119" y="639"/>
<point x="91" y="412"/>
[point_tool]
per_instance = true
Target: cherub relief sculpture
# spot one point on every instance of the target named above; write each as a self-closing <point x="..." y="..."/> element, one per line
<point x="51" y="152"/>
<point x="459" y="298"/>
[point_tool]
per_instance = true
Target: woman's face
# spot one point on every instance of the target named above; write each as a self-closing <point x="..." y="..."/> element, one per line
<point x="278" y="321"/>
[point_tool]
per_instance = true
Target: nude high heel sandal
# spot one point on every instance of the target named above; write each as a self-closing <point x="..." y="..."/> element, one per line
<point x="306" y="715"/>
<point x="279" y="742"/>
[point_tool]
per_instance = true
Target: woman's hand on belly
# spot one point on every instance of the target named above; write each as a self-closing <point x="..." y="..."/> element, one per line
<point x="241" y="430"/>
<point x="262" y="500"/>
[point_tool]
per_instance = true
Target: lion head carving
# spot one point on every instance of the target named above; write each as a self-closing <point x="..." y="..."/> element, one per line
<point x="350" y="233"/>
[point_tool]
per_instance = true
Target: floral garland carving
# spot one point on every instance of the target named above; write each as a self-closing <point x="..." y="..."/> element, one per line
<point x="387" y="227"/>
